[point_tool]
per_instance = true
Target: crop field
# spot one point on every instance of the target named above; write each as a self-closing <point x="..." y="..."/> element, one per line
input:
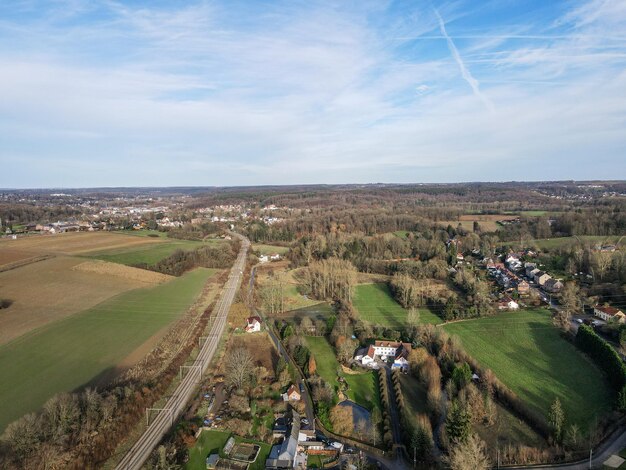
<point x="270" y="249"/>
<point x="527" y="353"/>
<point x="75" y="351"/>
<point x="59" y="287"/>
<point x="148" y="254"/>
<point x="74" y="243"/>
<point x="375" y="304"/>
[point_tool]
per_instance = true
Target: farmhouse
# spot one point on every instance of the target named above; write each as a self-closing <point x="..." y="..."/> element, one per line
<point x="385" y="350"/>
<point x="609" y="313"/>
<point x="292" y="394"/>
<point x="253" y="324"/>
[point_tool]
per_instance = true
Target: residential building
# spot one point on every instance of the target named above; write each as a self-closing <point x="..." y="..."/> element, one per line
<point x="541" y="277"/>
<point x="508" y="303"/>
<point x="283" y="456"/>
<point x="553" y="285"/>
<point x="608" y="313"/>
<point x="523" y="288"/>
<point x="386" y="350"/>
<point x="253" y="324"/>
<point x="292" y="394"/>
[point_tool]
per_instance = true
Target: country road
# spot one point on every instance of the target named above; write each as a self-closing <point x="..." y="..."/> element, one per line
<point x="142" y="449"/>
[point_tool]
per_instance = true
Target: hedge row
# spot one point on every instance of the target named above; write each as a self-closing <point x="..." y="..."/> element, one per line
<point x="603" y="354"/>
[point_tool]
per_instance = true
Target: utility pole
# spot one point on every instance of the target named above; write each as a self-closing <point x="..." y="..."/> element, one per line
<point x="590" y="454"/>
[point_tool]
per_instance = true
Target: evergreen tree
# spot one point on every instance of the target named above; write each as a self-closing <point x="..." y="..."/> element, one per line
<point x="458" y="423"/>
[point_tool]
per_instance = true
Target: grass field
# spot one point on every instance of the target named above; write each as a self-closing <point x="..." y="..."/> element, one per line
<point x="375" y="304"/>
<point x="270" y="249"/>
<point x="533" y="213"/>
<point x="567" y="242"/>
<point x="72" y="352"/>
<point x="401" y="233"/>
<point x="325" y="358"/>
<point x="148" y="254"/>
<point x="363" y="389"/>
<point x="528" y="354"/>
<point x="212" y="442"/>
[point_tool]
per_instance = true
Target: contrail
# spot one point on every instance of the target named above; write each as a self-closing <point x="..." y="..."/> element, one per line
<point x="467" y="76"/>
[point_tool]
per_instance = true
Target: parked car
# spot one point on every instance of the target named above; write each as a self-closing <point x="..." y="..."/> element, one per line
<point x="579" y="321"/>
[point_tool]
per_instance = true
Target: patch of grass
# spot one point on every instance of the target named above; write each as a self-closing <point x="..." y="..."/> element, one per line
<point x="270" y="249"/>
<point x="72" y="352"/>
<point x="566" y="242"/>
<point x="508" y="429"/>
<point x="325" y="358"/>
<point x="528" y="354"/>
<point x="533" y="213"/>
<point x="375" y="304"/>
<point x="143" y="233"/>
<point x="401" y="233"/>
<point x="363" y="389"/>
<point x="148" y="254"/>
<point x="316" y="311"/>
<point x="414" y="396"/>
<point x="212" y="442"/>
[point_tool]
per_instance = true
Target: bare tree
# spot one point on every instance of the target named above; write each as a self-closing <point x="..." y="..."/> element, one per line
<point x="469" y="455"/>
<point x="239" y="367"/>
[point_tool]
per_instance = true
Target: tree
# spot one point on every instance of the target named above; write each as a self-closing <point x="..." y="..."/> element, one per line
<point x="342" y="419"/>
<point x="458" y="423"/>
<point x="346" y="350"/>
<point x="312" y="365"/>
<point x="413" y="317"/>
<point x="469" y="455"/>
<point x="461" y="375"/>
<point x="570" y="297"/>
<point x="556" y="418"/>
<point x="239" y="367"/>
<point x="563" y="320"/>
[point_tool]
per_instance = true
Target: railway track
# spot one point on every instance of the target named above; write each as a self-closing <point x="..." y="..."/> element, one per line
<point x="139" y="453"/>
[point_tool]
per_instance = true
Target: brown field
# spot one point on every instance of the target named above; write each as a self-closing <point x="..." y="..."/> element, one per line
<point x="259" y="345"/>
<point x="9" y="255"/>
<point x="68" y="244"/>
<point x="61" y="286"/>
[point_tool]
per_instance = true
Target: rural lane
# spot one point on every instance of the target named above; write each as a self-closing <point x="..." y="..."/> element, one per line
<point x="142" y="449"/>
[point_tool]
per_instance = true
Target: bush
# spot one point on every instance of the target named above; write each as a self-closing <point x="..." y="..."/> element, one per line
<point x="605" y="357"/>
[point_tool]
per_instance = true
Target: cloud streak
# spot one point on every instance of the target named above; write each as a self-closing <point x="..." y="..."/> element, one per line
<point x="465" y="73"/>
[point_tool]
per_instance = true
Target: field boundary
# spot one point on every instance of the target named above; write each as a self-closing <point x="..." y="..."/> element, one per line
<point x="24" y="262"/>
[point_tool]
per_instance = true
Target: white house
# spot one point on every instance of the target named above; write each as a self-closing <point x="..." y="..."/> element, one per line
<point x="609" y="313"/>
<point x="253" y="324"/>
<point x="508" y="304"/>
<point x="385" y="350"/>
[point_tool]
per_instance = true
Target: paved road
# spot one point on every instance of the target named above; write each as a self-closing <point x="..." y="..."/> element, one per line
<point x="142" y="449"/>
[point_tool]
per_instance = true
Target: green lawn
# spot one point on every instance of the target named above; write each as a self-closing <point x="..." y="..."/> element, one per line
<point x="211" y="442"/>
<point x="270" y="249"/>
<point x="375" y="304"/>
<point x="148" y="254"/>
<point x="528" y="354"/>
<point x="362" y="388"/>
<point x="401" y="233"/>
<point x="414" y="396"/>
<point x="325" y="358"/>
<point x="70" y="353"/>
<point x="565" y="242"/>
<point x="533" y="213"/>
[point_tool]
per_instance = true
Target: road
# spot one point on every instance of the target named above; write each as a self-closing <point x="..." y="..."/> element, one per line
<point x="142" y="449"/>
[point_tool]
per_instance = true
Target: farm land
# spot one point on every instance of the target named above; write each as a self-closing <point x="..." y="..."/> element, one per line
<point x="375" y="304"/>
<point x="73" y="352"/>
<point x="270" y="249"/>
<point x="527" y="353"/>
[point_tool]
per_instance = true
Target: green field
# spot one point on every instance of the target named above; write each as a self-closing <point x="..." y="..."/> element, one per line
<point x="401" y="233"/>
<point x="70" y="353"/>
<point x="528" y="354"/>
<point x="533" y="213"/>
<point x="143" y="233"/>
<point x="212" y="442"/>
<point x="270" y="249"/>
<point x="375" y="304"/>
<point x="362" y="388"/>
<point x="148" y="254"/>
<point x="567" y="242"/>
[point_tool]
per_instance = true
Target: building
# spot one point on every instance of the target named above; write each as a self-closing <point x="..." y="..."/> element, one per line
<point x="508" y="303"/>
<point x="529" y="268"/>
<point x="292" y="394"/>
<point x="553" y="285"/>
<point x="523" y="288"/>
<point x="386" y="350"/>
<point x="541" y="277"/>
<point x="283" y="456"/>
<point x="608" y="313"/>
<point x="253" y="324"/>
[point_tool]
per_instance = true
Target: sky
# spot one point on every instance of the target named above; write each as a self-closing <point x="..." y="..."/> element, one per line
<point x="220" y="93"/>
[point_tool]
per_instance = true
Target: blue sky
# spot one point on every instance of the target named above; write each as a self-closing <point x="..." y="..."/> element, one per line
<point x="164" y="93"/>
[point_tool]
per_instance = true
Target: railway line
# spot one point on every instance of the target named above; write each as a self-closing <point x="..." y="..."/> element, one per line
<point x="141" y="450"/>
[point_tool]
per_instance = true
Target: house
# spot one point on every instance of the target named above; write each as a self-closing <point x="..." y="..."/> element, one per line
<point x="608" y="313"/>
<point x="533" y="272"/>
<point x="253" y="324"/>
<point x="284" y="455"/>
<point x="529" y="268"/>
<point x="541" y="277"/>
<point x="292" y="394"/>
<point x="274" y="257"/>
<point x="211" y="461"/>
<point x="385" y="350"/>
<point x="507" y="303"/>
<point x="553" y="285"/>
<point x="523" y="288"/>
<point x="264" y="259"/>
